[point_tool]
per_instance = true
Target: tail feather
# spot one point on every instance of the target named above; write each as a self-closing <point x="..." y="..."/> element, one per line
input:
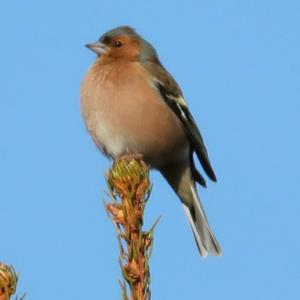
<point x="181" y="178"/>
<point x="204" y="237"/>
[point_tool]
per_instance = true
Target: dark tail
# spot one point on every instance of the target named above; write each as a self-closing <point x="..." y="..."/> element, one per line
<point x="204" y="237"/>
<point x="182" y="181"/>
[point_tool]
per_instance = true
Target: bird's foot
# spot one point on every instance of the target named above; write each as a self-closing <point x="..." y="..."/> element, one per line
<point x="131" y="156"/>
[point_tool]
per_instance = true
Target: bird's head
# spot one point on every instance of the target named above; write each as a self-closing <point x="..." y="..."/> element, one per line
<point x="123" y="43"/>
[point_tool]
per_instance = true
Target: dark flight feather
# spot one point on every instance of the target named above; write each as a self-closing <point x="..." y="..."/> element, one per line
<point x="192" y="130"/>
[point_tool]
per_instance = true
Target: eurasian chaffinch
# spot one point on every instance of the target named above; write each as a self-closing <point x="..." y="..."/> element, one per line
<point x="132" y="105"/>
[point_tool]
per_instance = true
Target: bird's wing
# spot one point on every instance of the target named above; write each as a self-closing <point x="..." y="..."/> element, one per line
<point x="172" y="95"/>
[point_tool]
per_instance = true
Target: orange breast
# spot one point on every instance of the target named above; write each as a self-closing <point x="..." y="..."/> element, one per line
<point x="125" y="113"/>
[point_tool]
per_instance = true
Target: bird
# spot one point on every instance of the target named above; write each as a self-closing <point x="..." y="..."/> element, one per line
<point x="132" y="105"/>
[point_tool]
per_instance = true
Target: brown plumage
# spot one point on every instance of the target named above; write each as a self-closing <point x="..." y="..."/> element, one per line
<point x="131" y="104"/>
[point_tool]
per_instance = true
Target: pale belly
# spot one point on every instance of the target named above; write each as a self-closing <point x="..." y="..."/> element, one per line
<point x="132" y="118"/>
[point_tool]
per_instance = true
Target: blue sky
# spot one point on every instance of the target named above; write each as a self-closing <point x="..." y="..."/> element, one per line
<point x="238" y="64"/>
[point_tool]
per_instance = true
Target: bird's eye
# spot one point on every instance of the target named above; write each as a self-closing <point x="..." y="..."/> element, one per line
<point x="118" y="44"/>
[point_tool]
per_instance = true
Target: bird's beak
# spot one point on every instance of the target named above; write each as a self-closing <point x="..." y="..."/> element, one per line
<point x="98" y="47"/>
